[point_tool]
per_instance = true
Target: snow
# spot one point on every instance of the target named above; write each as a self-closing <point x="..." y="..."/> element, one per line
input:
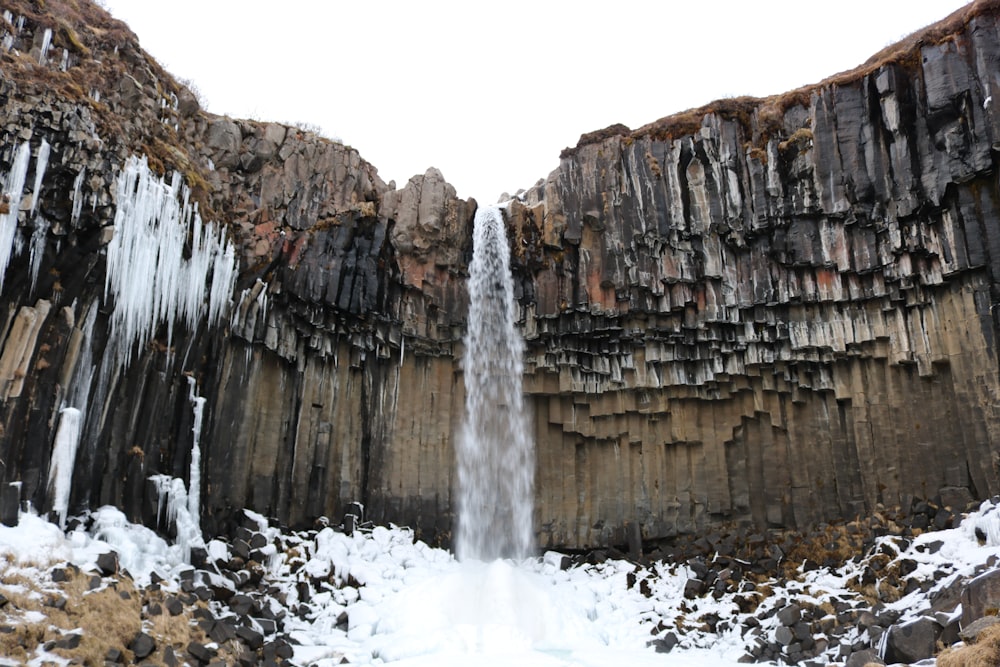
<point x="410" y="605"/>
<point x="154" y="278"/>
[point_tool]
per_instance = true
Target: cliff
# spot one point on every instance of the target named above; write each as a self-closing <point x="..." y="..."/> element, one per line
<point x="774" y="311"/>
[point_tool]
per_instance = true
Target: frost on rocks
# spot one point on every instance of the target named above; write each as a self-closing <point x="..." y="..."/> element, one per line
<point x="154" y="279"/>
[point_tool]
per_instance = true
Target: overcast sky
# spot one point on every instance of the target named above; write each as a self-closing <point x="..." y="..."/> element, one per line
<point x="490" y="93"/>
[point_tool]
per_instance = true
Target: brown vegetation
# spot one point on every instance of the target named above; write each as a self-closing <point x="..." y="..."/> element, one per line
<point x="984" y="653"/>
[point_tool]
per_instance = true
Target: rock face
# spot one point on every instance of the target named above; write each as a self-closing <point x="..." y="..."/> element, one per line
<point x="774" y="311"/>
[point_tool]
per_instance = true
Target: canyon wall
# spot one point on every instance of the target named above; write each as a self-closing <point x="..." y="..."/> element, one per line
<point x="775" y="311"/>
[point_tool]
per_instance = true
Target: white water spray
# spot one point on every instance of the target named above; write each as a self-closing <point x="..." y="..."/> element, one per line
<point x="496" y="459"/>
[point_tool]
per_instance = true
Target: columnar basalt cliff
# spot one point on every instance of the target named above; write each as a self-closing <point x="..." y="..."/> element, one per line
<point x="776" y="311"/>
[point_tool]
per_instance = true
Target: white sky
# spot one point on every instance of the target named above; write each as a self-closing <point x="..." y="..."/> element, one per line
<point x="491" y="93"/>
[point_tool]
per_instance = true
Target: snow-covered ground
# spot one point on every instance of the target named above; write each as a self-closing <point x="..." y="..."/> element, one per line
<point x="380" y="597"/>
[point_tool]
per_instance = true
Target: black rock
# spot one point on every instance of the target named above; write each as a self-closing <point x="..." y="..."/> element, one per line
<point x="114" y="656"/>
<point x="170" y="658"/>
<point x="241" y="549"/>
<point x="240" y="604"/>
<point x="258" y="541"/>
<point x="68" y="642"/>
<point x="222" y="631"/>
<point x="253" y="639"/>
<point x="790" y="615"/>
<point x="269" y="627"/>
<point x="10" y="504"/>
<point x="200" y="652"/>
<point x="59" y="575"/>
<point x="107" y="563"/>
<point x="865" y="657"/>
<point x="174" y="606"/>
<point x="666" y="643"/>
<point x="784" y="635"/>
<point x="693" y="588"/>
<point x="142" y="645"/>
<point x="913" y="641"/>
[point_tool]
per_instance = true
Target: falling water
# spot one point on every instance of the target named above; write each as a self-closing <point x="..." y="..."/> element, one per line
<point x="496" y="462"/>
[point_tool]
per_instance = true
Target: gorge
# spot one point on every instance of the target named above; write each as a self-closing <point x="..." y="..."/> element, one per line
<point x="773" y="312"/>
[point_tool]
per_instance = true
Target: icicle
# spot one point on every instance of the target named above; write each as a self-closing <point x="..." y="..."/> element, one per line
<point x="46" y="40"/>
<point x="77" y="197"/>
<point x="38" y="248"/>
<point x="41" y="163"/>
<point x="152" y="282"/>
<point x="13" y="188"/>
<point x="64" y="63"/>
<point x="63" y="461"/>
<point x="194" y="493"/>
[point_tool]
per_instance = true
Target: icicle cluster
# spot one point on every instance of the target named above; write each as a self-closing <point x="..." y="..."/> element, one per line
<point x="153" y="279"/>
<point x="12" y="191"/>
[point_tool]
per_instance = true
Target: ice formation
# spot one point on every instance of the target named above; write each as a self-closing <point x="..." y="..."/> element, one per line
<point x="161" y="259"/>
<point x="172" y="510"/>
<point x="41" y="164"/>
<point x="77" y="196"/>
<point x="194" y="492"/>
<point x="38" y="238"/>
<point x="12" y="191"/>
<point x="63" y="461"/>
<point x="46" y="42"/>
<point x="495" y="452"/>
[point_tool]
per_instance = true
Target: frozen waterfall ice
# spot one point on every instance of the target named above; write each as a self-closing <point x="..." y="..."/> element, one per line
<point x="161" y="259"/>
<point x="495" y="452"/>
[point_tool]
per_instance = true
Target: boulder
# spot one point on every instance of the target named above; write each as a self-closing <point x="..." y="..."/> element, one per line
<point x="913" y="641"/>
<point x="980" y="595"/>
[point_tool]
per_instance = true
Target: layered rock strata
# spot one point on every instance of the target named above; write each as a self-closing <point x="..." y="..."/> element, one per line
<point x="773" y="311"/>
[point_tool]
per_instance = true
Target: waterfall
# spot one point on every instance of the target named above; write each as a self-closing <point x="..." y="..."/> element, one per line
<point x="495" y="452"/>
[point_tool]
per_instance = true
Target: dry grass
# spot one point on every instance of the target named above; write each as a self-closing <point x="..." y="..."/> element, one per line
<point x="105" y="617"/>
<point x="108" y="617"/>
<point x="984" y="653"/>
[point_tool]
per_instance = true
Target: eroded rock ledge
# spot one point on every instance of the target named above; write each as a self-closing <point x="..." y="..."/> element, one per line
<point x="768" y="311"/>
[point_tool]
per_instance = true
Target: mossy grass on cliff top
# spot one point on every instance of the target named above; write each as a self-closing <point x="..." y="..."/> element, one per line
<point x="761" y="118"/>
